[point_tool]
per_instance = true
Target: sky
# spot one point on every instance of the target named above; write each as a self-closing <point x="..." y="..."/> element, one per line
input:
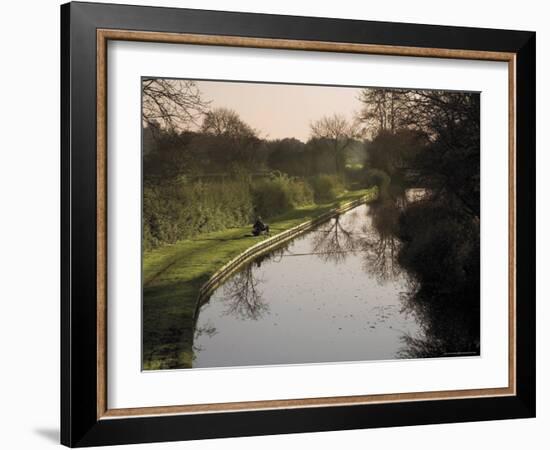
<point x="279" y="110"/>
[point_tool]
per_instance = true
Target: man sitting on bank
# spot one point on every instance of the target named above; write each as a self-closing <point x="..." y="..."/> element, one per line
<point x="259" y="227"/>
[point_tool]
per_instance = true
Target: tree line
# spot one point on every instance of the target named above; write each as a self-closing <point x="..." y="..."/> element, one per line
<point x="433" y="133"/>
<point x="398" y="138"/>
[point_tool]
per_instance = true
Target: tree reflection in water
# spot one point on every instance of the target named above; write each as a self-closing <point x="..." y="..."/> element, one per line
<point x="448" y="328"/>
<point x="377" y="241"/>
<point x="208" y="329"/>
<point x="332" y="242"/>
<point x="242" y="294"/>
<point x="441" y="251"/>
<point x="437" y="247"/>
<point x="428" y="244"/>
<point x="381" y="244"/>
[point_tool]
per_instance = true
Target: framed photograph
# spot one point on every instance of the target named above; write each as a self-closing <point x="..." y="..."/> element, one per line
<point x="276" y="224"/>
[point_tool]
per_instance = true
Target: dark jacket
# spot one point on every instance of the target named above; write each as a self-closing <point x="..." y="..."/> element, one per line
<point x="259" y="225"/>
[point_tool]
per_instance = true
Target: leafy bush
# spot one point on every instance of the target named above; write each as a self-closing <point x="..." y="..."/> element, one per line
<point x="173" y="212"/>
<point x="278" y="194"/>
<point x="301" y="193"/>
<point x="326" y="187"/>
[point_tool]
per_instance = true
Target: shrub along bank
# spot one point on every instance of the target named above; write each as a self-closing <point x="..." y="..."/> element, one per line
<point x="182" y="210"/>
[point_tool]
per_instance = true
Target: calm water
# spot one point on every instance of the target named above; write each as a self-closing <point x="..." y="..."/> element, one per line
<point x="333" y="294"/>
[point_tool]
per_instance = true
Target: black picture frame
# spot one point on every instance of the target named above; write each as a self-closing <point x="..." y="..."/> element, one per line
<point x="80" y="425"/>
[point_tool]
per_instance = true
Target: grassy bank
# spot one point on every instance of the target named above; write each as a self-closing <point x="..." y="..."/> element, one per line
<point x="173" y="275"/>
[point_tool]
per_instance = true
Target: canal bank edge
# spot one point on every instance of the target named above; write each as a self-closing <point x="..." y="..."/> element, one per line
<point x="269" y="244"/>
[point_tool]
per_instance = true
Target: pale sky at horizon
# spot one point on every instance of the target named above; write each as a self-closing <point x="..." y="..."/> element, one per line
<point x="280" y="110"/>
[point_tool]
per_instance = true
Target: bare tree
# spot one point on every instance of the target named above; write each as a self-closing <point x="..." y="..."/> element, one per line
<point x="225" y="122"/>
<point x="333" y="242"/>
<point x="244" y="297"/>
<point x="338" y="131"/>
<point x="381" y="246"/>
<point x="450" y="165"/>
<point x="439" y="113"/>
<point x="228" y="138"/>
<point x="174" y="105"/>
<point x="383" y="109"/>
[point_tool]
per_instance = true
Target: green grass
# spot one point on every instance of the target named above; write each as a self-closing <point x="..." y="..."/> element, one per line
<point x="173" y="275"/>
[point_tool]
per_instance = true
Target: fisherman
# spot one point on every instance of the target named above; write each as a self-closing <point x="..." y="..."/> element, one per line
<point x="259" y="227"/>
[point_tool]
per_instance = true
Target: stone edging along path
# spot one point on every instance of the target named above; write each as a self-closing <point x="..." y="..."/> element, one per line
<point x="265" y="246"/>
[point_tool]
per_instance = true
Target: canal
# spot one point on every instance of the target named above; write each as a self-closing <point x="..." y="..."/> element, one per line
<point x="333" y="294"/>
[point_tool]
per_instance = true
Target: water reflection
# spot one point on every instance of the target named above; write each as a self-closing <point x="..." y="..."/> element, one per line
<point x="374" y="236"/>
<point x="368" y="284"/>
<point x="441" y="252"/>
<point x="449" y="323"/>
<point x="333" y="241"/>
<point x="381" y="243"/>
<point x="242" y="294"/>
